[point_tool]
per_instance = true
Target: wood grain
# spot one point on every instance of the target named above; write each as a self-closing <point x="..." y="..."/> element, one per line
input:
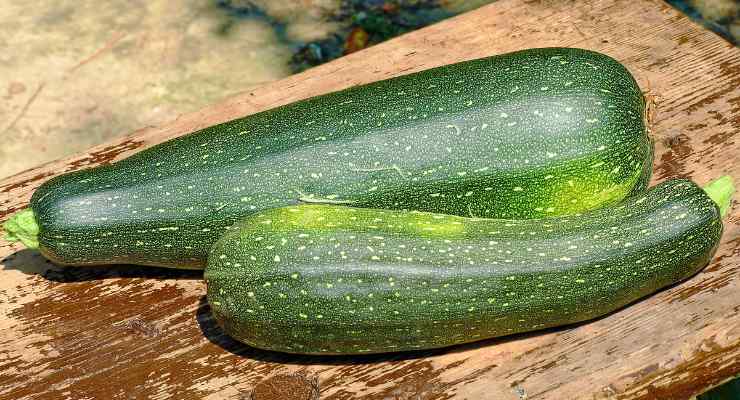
<point x="133" y="332"/>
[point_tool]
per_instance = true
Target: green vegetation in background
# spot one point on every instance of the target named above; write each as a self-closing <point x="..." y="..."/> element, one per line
<point x="720" y="16"/>
<point x="362" y="23"/>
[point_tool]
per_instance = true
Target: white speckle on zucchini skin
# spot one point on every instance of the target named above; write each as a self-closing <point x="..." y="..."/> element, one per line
<point x="333" y="151"/>
<point x="468" y="279"/>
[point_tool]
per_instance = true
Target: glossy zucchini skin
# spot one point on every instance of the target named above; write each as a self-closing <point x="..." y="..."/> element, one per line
<point x="534" y="133"/>
<point x="323" y="279"/>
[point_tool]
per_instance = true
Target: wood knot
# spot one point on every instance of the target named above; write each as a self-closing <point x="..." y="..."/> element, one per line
<point x="520" y="392"/>
<point x="142" y="327"/>
<point x="672" y="140"/>
<point x="676" y="141"/>
<point x="296" y="386"/>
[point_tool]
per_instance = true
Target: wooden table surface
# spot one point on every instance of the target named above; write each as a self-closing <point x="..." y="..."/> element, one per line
<point x="136" y="332"/>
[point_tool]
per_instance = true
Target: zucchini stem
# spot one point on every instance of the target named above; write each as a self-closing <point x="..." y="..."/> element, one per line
<point x="22" y="227"/>
<point x="721" y="190"/>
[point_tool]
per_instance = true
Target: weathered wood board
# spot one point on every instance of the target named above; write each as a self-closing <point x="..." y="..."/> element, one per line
<point x="133" y="332"/>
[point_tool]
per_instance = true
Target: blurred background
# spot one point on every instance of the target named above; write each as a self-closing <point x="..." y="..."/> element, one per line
<point x="76" y="73"/>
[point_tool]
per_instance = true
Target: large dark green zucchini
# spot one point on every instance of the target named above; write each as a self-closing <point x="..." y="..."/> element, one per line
<point x="534" y="133"/>
<point x="323" y="279"/>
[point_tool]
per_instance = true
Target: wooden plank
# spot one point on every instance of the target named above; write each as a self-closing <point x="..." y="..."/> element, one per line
<point x="133" y="332"/>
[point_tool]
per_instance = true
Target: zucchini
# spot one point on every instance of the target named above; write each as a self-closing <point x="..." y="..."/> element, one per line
<point x="327" y="279"/>
<point x="534" y="133"/>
